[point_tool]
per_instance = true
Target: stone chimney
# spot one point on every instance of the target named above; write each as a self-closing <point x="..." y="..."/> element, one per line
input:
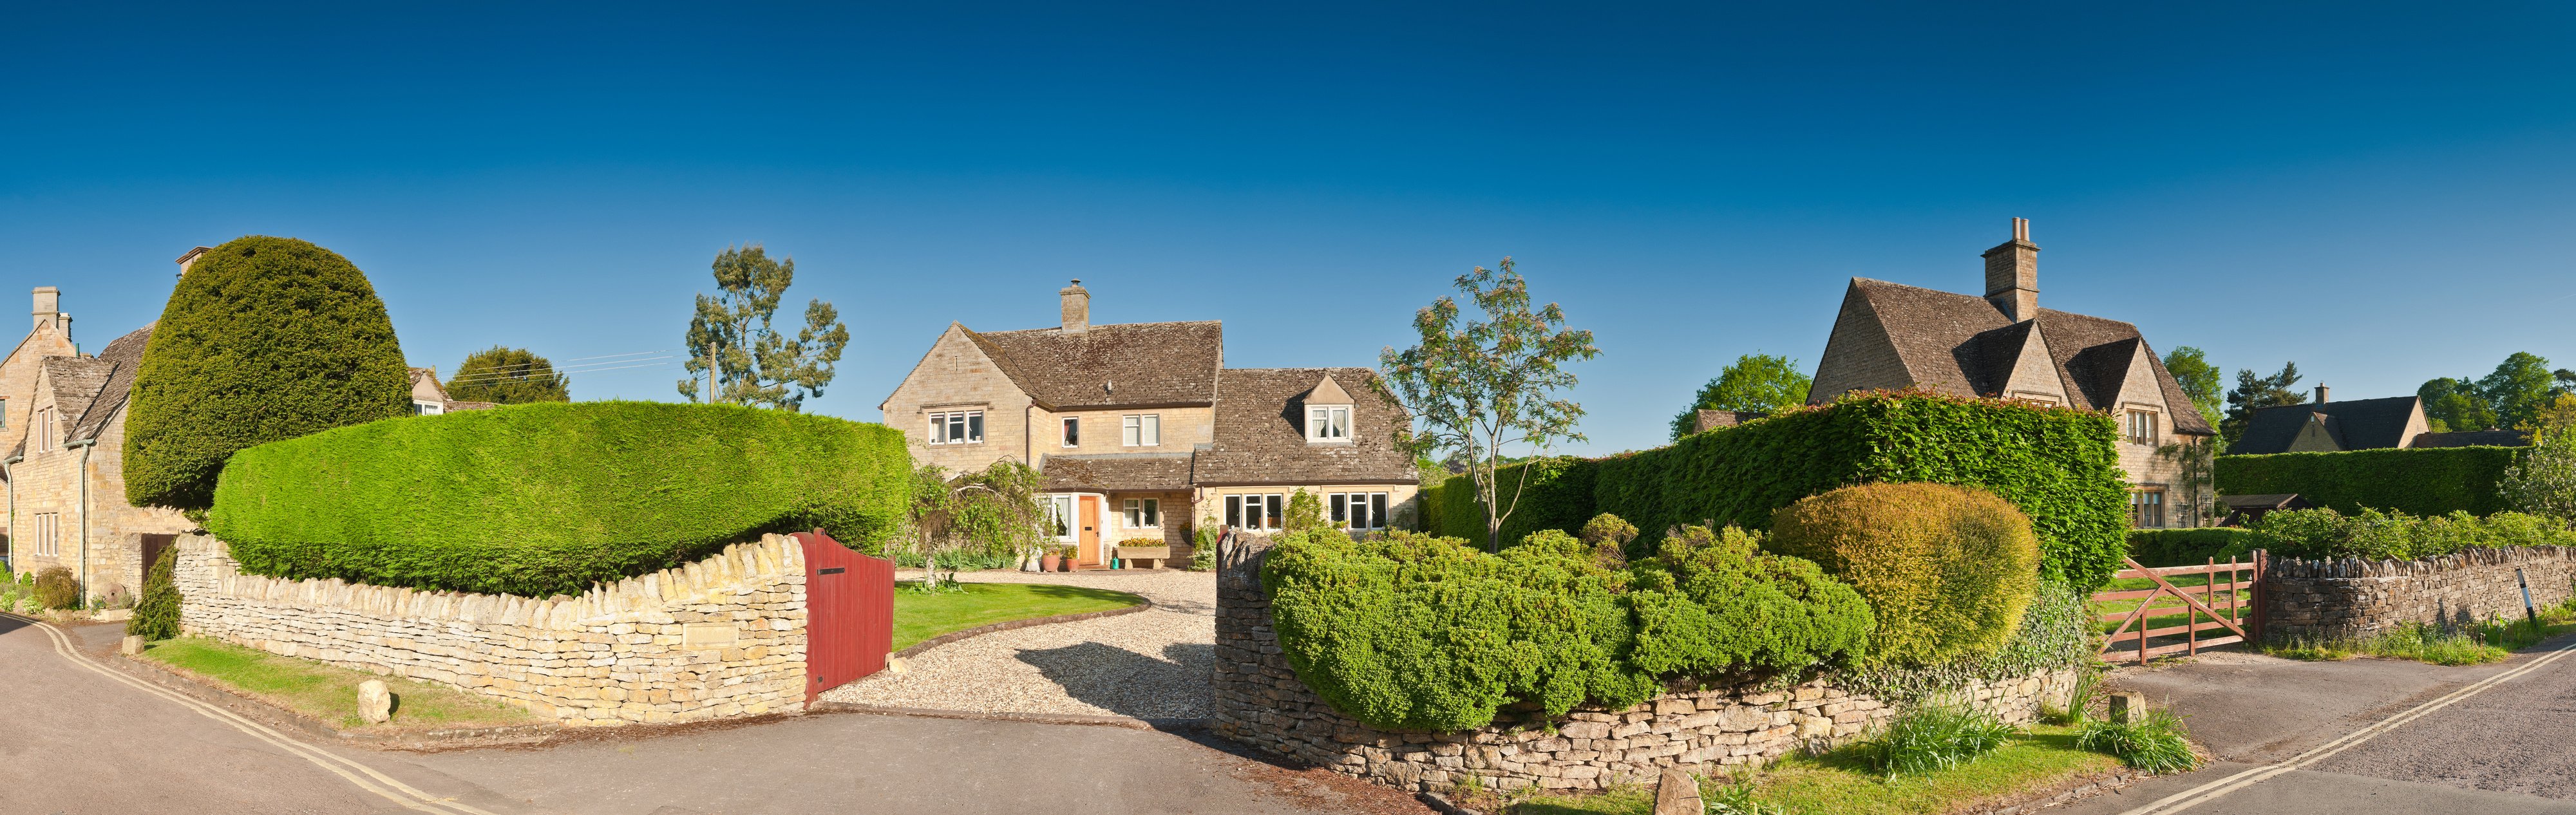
<point x="190" y="259"/>
<point x="2321" y="393"/>
<point x="49" y="313"/>
<point x="2012" y="274"/>
<point x="1077" y="307"/>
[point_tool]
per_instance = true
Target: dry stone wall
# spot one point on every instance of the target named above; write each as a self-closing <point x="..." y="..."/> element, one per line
<point x="720" y="637"/>
<point x="1261" y="702"/>
<point x="2350" y="597"/>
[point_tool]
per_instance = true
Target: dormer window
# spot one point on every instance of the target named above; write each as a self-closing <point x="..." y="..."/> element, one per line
<point x="1328" y="423"/>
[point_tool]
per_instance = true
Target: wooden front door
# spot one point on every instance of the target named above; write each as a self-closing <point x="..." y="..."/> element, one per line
<point x="153" y="546"/>
<point x="1089" y="517"/>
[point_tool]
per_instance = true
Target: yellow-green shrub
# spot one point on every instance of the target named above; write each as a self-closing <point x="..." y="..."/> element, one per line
<point x="1947" y="570"/>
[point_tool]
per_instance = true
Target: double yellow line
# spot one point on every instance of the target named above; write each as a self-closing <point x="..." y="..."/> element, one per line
<point x="2211" y="791"/>
<point x="365" y="777"/>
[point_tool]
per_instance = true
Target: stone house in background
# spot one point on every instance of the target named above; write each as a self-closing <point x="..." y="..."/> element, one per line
<point x="1140" y="430"/>
<point x="428" y="398"/>
<point x="2362" y="424"/>
<point x="2004" y="346"/>
<point x="50" y="337"/>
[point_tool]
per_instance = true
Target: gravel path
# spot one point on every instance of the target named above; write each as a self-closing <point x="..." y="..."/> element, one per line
<point x="1153" y="664"/>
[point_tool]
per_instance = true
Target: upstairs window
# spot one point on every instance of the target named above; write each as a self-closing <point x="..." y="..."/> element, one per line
<point x="2142" y="427"/>
<point x="957" y="427"/>
<point x="1328" y="423"/>
<point x="1142" y="430"/>
<point x="41" y="435"/>
<point x="1072" y="431"/>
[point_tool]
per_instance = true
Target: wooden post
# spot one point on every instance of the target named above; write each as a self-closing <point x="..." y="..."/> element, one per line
<point x="2146" y="614"/>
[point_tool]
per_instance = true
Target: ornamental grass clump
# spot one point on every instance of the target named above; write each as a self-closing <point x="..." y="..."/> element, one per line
<point x="1934" y="736"/>
<point x="1947" y="571"/>
<point x="2154" y="741"/>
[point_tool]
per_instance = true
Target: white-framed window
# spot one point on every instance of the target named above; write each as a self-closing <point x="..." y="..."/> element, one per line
<point x="1073" y="431"/>
<point x="1255" y="511"/>
<point x="1141" y="430"/>
<point x="2142" y="427"/>
<point x="1144" y="513"/>
<point x="957" y="427"/>
<point x="1328" y="423"/>
<point x="1059" y="516"/>
<point x="48" y="540"/>
<point x="41" y="436"/>
<point x="1357" y="510"/>
<point x="427" y="408"/>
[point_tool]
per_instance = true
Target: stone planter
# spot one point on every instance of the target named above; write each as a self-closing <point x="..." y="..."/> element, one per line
<point x="1157" y="554"/>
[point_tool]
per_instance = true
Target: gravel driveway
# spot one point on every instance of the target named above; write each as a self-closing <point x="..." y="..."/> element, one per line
<point x="1153" y="664"/>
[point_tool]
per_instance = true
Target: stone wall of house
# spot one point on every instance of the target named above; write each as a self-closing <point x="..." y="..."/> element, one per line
<point x="957" y="375"/>
<point x="720" y="637"/>
<point x="1261" y="702"/>
<point x="2348" y="597"/>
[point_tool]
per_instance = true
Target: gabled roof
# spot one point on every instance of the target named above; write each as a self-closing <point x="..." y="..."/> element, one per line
<point x="1261" y="432"/>
<point x="2359" y="424"/>
<point x="1962" y="344"/>
<point x="1111" y="365"/>
<point x="2472" y="438"/>
<point x="124" y="356"/>
<point x="75" y="382"/>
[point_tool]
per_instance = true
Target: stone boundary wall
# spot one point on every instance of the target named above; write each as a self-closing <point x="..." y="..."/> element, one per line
<point x="2350" y="597"/>
<point x="720" y="637"/>
<point x="1261" y="702"/>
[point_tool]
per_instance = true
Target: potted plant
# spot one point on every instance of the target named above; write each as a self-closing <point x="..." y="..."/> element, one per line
<point x="1047" y="559"/>
<point x="1153" y="549"/>
<point x="1066" y="555"/>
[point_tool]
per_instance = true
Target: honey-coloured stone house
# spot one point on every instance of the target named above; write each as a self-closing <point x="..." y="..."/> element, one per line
<point x="1890" y="336"/>
<point x="1141" y="430"/>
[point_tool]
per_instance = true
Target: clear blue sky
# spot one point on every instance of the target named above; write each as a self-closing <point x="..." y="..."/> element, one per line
<point x="2382" y="194"/>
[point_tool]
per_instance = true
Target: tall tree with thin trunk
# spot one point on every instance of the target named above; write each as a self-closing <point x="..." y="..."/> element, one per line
<point x="1489" y="382"/>
<point x="753" y="363"/>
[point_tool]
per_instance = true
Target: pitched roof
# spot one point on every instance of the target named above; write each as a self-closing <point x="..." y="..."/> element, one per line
<point x="76" y="381"/>
<point x="1111" y="365"/>
<point x="2359" y="424"/>
<point x="1118" y="472"/>
<point x="1261" y="432"/>
<point x="1961" y="343"/>
<point x="2472" y="438"/>
<point x="124" y="355"/>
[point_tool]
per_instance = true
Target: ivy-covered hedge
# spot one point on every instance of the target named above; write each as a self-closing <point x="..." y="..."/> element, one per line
<point x="2414" y="480"/>
<point x="549" y="498"/>
<point x="2190" y="547"/>
<point x="2060" y="466"/>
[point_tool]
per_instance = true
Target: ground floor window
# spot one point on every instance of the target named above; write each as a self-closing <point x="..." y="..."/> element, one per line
<point x="1144" y="513"/>
<point x="1059" y="515"/>
<point x="1357" y="510"/>
<point x="48" y="540"/>
<point x="2147" y="508"/>
<point x="1254" y="511"/>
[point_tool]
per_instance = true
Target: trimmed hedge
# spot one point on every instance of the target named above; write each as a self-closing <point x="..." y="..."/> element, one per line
<point x="550" y="498"/>
<point x="1414" y="632"/>
<point x="1558" y="496"/>
<point x="264" y="339"/>
<point x="2373" y="535"/>
<point x="2059" y="466"/>
<point x="2190" y="547"/>
<point x="2413" y="480"/>
<point x="1947" y="570"/>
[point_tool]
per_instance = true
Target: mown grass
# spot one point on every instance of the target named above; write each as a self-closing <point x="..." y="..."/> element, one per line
<point x="922" y="615"/>
<point x="1843" y="781"/>
<point x="328" y="692"/>
<point x="2475" y="644"/>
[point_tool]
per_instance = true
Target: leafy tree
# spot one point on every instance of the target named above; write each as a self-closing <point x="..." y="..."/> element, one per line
<point x="1488" y="383"/>
<point x="2255" y="393"/>
<point x="263" y="339"/>
<point x="1756" y="382"/>
<point x="2454" y="405"/>
<point x="755" y="364"/>
<point x="2199" y="380"/>
<point x="993" y="510"/>
<point x="509" y="376"/>
<point x="2544" y="481"/>
<point x="2518" y="389"/>
<point x="2559" y="417"/>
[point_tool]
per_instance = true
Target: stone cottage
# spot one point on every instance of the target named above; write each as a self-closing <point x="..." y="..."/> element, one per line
<point x="2004" y="346"/>
<point x="1141" y="430"/>
<point x="428" y="398"/>
<point x="51" y="337"/>
<point x="66" y="475"/>
<point x="2360" y="424"/>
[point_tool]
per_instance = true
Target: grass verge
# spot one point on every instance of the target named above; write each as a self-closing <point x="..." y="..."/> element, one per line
<point x="2476" y="644"/>
<point x="1842" y="781"/>
<point x="328" y="692"/>
<point x="922" y="615"/>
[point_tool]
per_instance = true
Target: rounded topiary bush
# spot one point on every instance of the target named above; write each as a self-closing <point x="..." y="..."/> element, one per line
<point x="263" y="339"/>
<point x="1947" y="570"/>
<point x="57" y="588"/>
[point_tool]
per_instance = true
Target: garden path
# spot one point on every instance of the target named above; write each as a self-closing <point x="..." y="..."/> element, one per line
<point x="1153" y="664"/>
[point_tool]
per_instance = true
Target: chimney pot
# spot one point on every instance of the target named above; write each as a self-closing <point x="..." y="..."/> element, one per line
<point x="2012" y="274"/>
<point x="1076" y="307"/>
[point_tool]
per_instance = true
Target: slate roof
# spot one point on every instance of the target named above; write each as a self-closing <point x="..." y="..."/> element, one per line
<point x="2359" y="424"/>
<point x="76" y="382"/>
<point x="2473" y="438"/>
<point x="1123" y="365"/>
<point x="90" y="390"/>
<point x="1118" y="472"/>
<point x="1261" y="435"/>
<point x="1961" y="343"/>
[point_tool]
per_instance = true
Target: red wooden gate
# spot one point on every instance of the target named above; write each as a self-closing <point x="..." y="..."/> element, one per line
<point x="849" y="613"/>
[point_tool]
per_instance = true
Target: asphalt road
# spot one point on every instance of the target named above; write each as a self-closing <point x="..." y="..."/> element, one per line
<point x="75" y="739"/>
<point x="2499" y="747"/>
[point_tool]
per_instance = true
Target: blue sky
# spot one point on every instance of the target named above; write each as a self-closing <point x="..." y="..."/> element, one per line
<point x="2382" y="194"/>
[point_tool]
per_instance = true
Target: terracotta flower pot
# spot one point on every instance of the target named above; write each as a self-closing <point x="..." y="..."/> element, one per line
<point x="1066" y="565"/>
<point x="1047" y="562"/>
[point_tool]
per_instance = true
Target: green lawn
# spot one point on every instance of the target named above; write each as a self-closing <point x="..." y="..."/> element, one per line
<point x="327" y="692"/>
<point x="919" y="616"/>
<point x="1839" y="783"/>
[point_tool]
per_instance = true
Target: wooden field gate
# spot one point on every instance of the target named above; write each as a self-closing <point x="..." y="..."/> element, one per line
<point x="849" y="613"/>
<point x="2236" y="609"/>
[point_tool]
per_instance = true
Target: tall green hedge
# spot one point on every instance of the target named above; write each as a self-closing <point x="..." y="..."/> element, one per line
<point x="548" y="498"/>
<point x="2057" y="465"/>
<point x="2153" y="548"/>
<point x="1558" y="496"/>
<point x="263" y="339"/>
<point x="2414" y="480"/>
